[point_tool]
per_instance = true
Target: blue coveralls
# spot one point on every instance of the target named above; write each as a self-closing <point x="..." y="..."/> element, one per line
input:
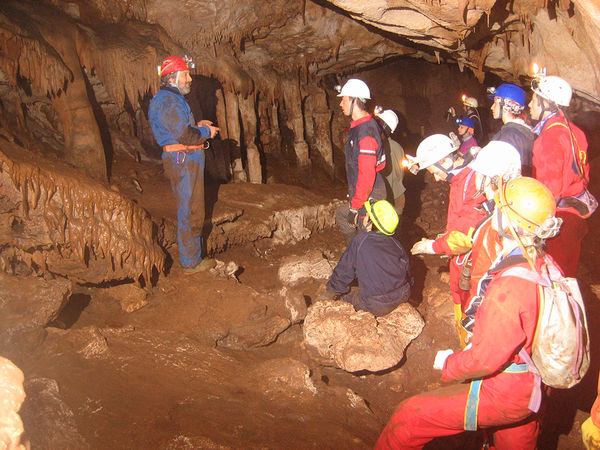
<point x="172" y="122"/>
<point x="380" y="264"/>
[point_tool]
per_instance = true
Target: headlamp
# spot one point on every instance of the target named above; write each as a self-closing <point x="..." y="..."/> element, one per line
<point x="338" y="88"/>
<point x="189" y="62"/>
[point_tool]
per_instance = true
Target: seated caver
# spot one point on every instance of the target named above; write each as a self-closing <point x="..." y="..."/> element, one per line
<point x="378" y="261"/>
<point x="493" y="385"/>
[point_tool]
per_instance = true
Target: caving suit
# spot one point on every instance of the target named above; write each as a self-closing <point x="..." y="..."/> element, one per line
<point x="365" y="158"/>
<point x="554" y="166"/>
<point x="468" y="142"/>
<point x="380" y="264"/>
<point x="463" y="217"/>
<point x="182" y="141"/>
<point x="394" y="173"/>
<point x="495" y="386"/>
<point x="520" y="136"/>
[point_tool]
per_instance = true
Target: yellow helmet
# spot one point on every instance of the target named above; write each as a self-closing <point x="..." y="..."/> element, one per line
<point x="383" y="215"/>
<point x="526" y="202"/>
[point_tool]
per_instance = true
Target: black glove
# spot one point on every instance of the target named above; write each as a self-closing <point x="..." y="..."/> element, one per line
<point x="352" y="216"/>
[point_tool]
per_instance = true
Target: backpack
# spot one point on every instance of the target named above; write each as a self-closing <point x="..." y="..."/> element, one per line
<point x="560" y="353"/>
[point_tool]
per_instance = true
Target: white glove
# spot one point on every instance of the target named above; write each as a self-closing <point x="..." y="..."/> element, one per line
<point x="423" y="247"/>
<point x="440" y="358"/>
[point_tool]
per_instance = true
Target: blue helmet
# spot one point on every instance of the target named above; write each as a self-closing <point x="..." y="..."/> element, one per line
<point x="466" y="121"/>
<point x="512" y="92"/>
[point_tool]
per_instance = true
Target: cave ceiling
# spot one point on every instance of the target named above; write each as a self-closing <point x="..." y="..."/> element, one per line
<point x="253" y="45"/>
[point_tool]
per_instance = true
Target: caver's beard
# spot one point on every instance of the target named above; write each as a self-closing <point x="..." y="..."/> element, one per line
<point x="185" y="88"/>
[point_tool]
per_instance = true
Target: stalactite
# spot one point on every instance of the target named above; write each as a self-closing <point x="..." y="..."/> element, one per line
<point x="74" y="219"/>
<point x="437" y="56"/>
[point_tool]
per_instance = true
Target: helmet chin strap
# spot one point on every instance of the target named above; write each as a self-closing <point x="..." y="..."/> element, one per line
<point x="352" y="106"/>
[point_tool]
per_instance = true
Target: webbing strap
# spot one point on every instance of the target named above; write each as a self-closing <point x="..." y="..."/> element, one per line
<point x="472" y="405"/>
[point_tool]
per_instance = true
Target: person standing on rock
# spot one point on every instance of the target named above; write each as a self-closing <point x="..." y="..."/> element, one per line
<point x="365" y="158"/>
<point x="377" y="260"/>
<point x="492" y="385"/>
<point x="183" y="142"/>
<point x="560" y="162"/>
<point x="394" y="155"/>
<point x="508" y="105"/>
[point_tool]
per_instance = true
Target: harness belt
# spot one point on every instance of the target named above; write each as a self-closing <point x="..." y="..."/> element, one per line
<point x="182" y="148"/>
<point x="470" y="423"/>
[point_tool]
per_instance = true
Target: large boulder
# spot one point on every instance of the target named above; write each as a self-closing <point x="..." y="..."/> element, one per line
<point x="28" y="304"/>
<point x="12" y="396"/>
<point x="357" y="340"/>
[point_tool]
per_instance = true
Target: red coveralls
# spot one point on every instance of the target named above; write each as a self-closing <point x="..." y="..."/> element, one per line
<point x="553" y="166"/>
<point x="505" y="321"/>
<point x="462" y="216"/>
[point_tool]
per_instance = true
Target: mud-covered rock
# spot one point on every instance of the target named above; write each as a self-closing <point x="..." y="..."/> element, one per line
<point x="295" y="304"/>
<point x="130" y="297"/>
<point x="285" y="376"/>
<point x="51" y="420"/>
<point x="256" y="333"/>
<point x="28" y="304"/>
<point x="357" y="340"/>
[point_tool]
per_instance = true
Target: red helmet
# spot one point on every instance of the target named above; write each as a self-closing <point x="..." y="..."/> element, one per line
<point x="174" y="64"/>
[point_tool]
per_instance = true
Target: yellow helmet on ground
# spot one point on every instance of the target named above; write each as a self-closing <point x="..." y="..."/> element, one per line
<point x="383" y="215"/>
<point x="527" y="203"/>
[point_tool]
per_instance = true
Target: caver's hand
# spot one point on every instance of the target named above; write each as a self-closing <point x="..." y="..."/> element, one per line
<point x="441" y="358"/>
<point x="423" y="247"/>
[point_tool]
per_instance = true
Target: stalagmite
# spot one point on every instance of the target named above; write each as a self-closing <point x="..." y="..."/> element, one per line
<point x="248" y="115"/>
<point x="293" y="106"/>
<point x="221" y="114"/>
<point x="322" y="115"/>
<point x="234" y="132"/>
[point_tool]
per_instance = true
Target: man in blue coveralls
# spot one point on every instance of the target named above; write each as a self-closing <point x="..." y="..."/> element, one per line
<point x="183" y="142"/>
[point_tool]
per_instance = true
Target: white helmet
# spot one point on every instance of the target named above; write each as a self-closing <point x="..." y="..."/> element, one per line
<point x="355" y="88"/>
<point x="390" y="118"/>
<point x="433" y="149"/>
<point x="554" y="89"/>
<point x="470" y="101"/>
<point x="498" y="158"/>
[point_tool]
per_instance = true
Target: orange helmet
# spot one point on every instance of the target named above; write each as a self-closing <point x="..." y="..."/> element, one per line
<point x="174" y="64"/>
<point x="526" y="202"/>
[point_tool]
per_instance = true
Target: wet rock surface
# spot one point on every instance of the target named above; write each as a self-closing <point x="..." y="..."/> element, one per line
<point x="29" y="304"/>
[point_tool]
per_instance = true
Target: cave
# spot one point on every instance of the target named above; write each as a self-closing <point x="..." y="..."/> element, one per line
<point x="116" y="346"/>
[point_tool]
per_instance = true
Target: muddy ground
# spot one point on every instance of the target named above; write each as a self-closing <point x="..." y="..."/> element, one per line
<point x="155" y="378"/>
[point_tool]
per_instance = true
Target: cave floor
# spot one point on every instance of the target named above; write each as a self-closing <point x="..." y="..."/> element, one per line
<point x="161" y="382"/>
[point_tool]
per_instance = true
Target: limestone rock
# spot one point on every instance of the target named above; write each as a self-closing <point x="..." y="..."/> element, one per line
<point x="295" y="304"/>
<point x="256" y="333"/>
<point x="52" y="420"/>
<point x="285" y="376"/>
<point x="11" y="399"/>
<point x="357" y="340"/>
<point x="311" y="265"/>
<point x="29" y="303"/>
<point x="130" y="296"/>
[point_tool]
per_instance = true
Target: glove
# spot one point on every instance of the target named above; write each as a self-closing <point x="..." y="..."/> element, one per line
<point x="441" y="358"/>
<point x="423" y="247"/>
<point x="352" y="216"/>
